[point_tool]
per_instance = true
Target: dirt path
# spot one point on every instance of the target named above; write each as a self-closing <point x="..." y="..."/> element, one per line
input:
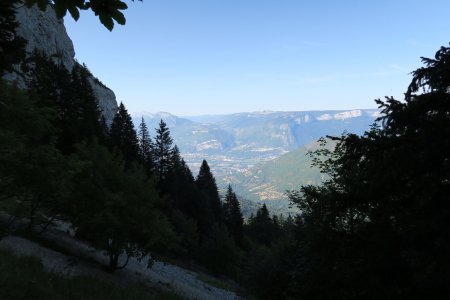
<point x="80" y="259"/>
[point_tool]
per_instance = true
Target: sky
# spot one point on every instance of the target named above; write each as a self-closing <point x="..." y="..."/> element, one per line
<point x="196" y="57"/>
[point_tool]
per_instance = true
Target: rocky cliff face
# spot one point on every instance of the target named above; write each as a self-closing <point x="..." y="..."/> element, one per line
<point x="44" y="32"/>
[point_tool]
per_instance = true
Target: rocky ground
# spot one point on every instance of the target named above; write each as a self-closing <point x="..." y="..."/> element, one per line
<point x="75" y="258"/>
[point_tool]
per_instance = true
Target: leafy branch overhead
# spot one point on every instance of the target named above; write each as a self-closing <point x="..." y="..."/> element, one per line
<point x="108" y="11"/>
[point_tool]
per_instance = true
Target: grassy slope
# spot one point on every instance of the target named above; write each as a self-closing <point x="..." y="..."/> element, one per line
<point x="269" y="181"/>
<point x="25" y="278"/>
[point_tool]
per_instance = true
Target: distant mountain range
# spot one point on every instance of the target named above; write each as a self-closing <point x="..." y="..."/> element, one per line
<point x="241" y="148"/>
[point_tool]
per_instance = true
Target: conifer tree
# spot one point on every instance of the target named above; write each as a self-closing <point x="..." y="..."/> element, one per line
<point x="162" y="150"/>
<point x="207" y="185"/>
<point x="52" y="87"/>
<point x="89" y="110"/>
<point x="233" y="217"/>
<point x="145" y="147"/>
<point x="175" y="160"/>
<point x="389" y="186"/>
<point x="123" y="136"/>
<point x="262" y="228"/>
<point x="33" y="177"/>
<point x="78" y="116"/>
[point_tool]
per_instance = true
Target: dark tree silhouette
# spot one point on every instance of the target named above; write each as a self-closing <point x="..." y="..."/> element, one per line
<point x="162" y="149"/>
<point x="233" y="217"/>
<point x="378" y="227"/>
<point x="207" y="184"/>
<point x="78" y="116"/>
<point x="145" y="148"/>
<point x="262" y="228"/>
<point x="107" y="11"/>
<point x="123" y="136"/>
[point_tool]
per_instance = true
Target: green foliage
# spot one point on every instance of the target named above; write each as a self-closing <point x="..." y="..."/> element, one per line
<point x="206" y="182"/>
<point x="71" y="96"/>
<point x="32" y="171"/>
<point x="115" y="207"/>
<point x="262" y="228"/>
<point x="268" y="181"/>
<point x="123" y="136"/>
<point x="108" y="11"/>
<point x="268" y="270"/>
<point x="25" y="278"/>
<point x="378" y="227"/>
<point x="233" y="217"/>
<point x="162" y="150"/>
<point x="145" y="153"/>
<point x="187" y="230"/>
<point x="219" y="253"/>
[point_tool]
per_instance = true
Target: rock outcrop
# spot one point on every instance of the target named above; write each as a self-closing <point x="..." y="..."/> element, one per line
<point x="45" y="33"/>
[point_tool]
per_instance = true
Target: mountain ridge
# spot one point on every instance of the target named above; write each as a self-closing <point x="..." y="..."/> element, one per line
<point x="45" y="33"/>
<point x="238" y="144"/>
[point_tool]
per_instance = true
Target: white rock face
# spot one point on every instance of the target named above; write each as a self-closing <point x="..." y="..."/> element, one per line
<point x="341" y="116"/>
<point x="106" y="100"/>
<point x="348" y="114"/>
<point x="210" y="144"/>
<point x="44" y="32"/>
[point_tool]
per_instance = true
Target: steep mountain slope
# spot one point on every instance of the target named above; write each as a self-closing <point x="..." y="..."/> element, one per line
<point x="234" y="143"/>
<point x="46" y="34"/>
<point x="268" y="181"/>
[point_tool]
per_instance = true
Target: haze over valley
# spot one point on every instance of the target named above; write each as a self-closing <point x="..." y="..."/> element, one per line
<point x="198" y="200"/>
<point x="242" y="149"/>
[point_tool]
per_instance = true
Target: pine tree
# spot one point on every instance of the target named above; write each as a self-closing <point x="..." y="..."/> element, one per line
<point x="175" y="160"/>
<point x="262" y="228"/>
<point x="145" y="148"/>
<point x="52" y="86"/>
<point x="123" y="136"/>
<point x="233" y="217"/>
<point x="163" y="150"/>
<point x="86" y="117"/>
<point x="263" y="215"/>
<point x="207" y="185"/>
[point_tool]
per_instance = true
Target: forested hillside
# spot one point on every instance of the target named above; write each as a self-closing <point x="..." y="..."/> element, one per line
<point x="375" y="228"/>
<point x="236" y="142"/>
<point x="268" y="182"/>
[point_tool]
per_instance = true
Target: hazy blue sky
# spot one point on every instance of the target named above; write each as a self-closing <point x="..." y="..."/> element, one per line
<point x="192" y="57"/>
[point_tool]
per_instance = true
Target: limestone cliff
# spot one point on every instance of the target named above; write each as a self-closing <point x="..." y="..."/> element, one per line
<point x="44" y="32"/>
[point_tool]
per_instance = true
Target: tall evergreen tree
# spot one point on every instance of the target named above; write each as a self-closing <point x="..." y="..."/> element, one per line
<point x="145" y="148"/>
<point x="233" y="217"/>
<point x="51" y="85"/>
<point x="378" y="227"/>
<point x="207" y="185"/>
<point x="162" y="150"/>
<point x="123" y="136"/>
<point x="89" y="116"/>
<point x="78" y="116"/>
<point x="175" y="159"/>
<point x="262" y="228"/>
